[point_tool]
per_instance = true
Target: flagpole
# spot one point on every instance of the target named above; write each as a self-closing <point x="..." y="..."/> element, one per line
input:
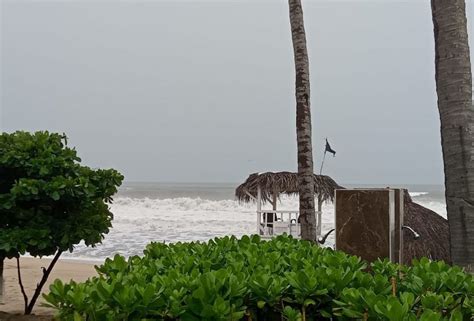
<point x="322" y="163"/>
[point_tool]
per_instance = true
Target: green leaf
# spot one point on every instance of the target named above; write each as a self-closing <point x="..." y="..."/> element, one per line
<point x="430" y="315"/>
<point x="77" y="316"/>
<point x="55" y="196"/>
<point x="309" y="302"/>
<point x="351" y="313"/>
<point x="456" y="315"/>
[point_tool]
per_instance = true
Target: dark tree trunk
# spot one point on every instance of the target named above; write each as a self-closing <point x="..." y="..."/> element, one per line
<point x="454" y="88"/>
<point x="303" y="122"/>
<point x="46" y="271"/>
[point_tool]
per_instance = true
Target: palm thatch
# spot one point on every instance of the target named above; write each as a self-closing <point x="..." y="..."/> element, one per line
<point x="433" y="230"/>
<point x="283" y="183"/>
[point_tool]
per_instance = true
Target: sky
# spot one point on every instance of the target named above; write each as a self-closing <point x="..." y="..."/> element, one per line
<point x="203" y="91"/>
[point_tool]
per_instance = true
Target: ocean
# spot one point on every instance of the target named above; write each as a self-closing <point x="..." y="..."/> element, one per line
<point x="180" y="212"/>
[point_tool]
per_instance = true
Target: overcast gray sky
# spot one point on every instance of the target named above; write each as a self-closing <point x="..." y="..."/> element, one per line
<point x="198" y="91"/>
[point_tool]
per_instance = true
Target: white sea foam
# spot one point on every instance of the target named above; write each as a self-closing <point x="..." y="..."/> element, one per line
<point x="415" y="194"/>
<point x="138" y="221"/>
<point x="435" y="206"/>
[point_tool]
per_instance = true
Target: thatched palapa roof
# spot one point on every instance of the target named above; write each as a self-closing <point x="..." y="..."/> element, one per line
<point x="434" y="233"/>
<point x="283" y="183"/>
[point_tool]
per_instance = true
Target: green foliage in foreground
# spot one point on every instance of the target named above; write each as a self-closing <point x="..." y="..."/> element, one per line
<point x="249" y="279"/>
<point x="48" y="201"/>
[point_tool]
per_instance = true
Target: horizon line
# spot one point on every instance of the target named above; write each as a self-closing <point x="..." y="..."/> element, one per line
<point x="238" y="183"/>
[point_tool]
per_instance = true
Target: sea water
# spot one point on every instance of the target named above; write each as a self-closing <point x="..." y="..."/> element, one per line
<point x="180" y="212"/>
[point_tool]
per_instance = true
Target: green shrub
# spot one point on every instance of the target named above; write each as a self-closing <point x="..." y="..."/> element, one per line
<point x="250" y="279"/>
<point x="49" y="202"/>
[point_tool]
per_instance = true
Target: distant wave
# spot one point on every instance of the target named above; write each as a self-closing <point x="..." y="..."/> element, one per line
<point x="415" y="194"/>
<point x="183" y="204"/>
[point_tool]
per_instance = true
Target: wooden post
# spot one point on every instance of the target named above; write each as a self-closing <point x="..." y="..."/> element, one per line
<point x="275" y="197"/>
<point x="259" y="210"/>
<point x="273" y="216"/>
<point x="319" y="217"/>
<point x="274" y="200"/>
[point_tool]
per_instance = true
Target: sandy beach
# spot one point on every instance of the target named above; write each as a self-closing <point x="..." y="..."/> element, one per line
<point x="65" y="269"/>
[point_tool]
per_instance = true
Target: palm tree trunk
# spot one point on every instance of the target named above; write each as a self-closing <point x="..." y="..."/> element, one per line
<point x="303" y="123"/>
<point x="454" y="88"/>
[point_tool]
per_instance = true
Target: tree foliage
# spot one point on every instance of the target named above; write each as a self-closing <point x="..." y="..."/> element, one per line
<point x="49" y="202"/>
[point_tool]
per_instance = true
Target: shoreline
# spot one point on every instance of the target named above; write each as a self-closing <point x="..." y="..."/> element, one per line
<point x="70" y="259"/>
<point x="66" y="269"/>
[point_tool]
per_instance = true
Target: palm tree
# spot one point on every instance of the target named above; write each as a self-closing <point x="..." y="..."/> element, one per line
<point x="454" y="88"/>
<point x="303" y="123"/>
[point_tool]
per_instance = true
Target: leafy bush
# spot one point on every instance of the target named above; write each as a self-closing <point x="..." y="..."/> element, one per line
<point x="251" y="279"/>
<point x="49" y="202"/>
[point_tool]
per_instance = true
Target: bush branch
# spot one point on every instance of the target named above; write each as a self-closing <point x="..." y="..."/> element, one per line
<point x="40" y="285"/>
<point x="25" y="297"/>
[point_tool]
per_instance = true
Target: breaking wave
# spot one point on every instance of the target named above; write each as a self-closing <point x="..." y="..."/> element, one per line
<point x="138" y="221"/>
<point x="415" y="194"/>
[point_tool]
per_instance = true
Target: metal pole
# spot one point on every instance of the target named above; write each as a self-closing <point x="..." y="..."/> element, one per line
<point x="322" y="163"/>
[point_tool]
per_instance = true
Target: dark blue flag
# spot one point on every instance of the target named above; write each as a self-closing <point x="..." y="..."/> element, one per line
<point x="329" y="149"/>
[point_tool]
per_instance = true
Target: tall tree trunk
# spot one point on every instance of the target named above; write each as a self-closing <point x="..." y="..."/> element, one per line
<point x="303" y="123"/>
<point x="454" y="88"/>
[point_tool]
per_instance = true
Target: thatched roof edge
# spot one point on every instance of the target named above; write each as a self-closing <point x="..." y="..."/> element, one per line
<point x="283" y="183"/>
